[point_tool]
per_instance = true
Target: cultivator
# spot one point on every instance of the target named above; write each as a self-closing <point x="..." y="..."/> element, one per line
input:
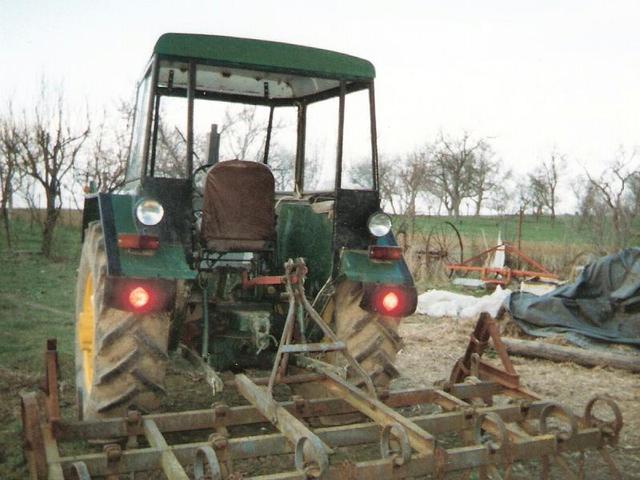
<point x="483" y="420"/>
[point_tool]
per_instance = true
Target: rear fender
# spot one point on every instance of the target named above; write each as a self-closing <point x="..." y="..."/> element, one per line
<point x="116" y="213"/>
<point x="380" y="277"/>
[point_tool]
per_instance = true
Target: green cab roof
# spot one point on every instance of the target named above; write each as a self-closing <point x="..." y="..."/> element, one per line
<point x="265" y="56"/>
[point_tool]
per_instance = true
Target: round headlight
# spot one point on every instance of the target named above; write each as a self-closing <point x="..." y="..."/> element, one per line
<point x="149" y="212"/>
<point x="379" y="224"/>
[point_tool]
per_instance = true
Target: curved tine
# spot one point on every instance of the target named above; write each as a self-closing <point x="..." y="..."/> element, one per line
<point x="318" y="462"/>
<point x="400" y="434"/>
<point x="501" y="437"/>
<point x="80" y="471"/>
<point x="206" y="454"/>
<point x="558" y="410"/>
<point x="591" y="420"/>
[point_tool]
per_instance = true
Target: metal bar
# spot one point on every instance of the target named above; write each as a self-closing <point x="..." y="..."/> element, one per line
<point x="494" y="374"/>
<point x="329" y="333"/>
<point x="52" y="453"/>
<point x="190" y="101"/>
<point x="51" y="380"/>
<point x="341" y="436"/>
<point x="245" y="415"/>
<point x="374" y="137"/>
<point x="205" y="321"/>
<point x="419" y="439"/>
<point x="170" y="464"/>
<point x="526" y="258"/>
<point x="153" y="81"/>
<point x="500" y="271"/>
<point x="289" y="426"/>
<point x="285" y="338"/>
<point x="300" y="147"/>
<point x="346" y="435"/>
<point x="314" y="347"/>
<point x="253" y="100"/>
<point x="499" y="346"/>
<point x="154" y="136"/>
<point x="267" y="142"/>
<point x="339" y="146"/>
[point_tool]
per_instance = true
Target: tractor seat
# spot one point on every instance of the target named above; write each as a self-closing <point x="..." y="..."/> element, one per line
<point x="238" y="207"/>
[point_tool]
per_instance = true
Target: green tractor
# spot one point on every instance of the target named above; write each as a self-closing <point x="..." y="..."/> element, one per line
<point x="191" y="251"/>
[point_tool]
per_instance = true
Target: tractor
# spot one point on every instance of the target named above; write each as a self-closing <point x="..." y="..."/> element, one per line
<point x="280" y="262"/>
<point x="193" y="253"/>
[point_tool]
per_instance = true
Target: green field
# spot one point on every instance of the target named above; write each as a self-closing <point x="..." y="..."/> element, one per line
<point x="36" y="303"/>
<point x="565" y="228"/>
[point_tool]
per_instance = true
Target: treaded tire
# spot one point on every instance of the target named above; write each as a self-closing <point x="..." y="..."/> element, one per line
<point x="372" y="339"/>
<point x="129" y="351"/>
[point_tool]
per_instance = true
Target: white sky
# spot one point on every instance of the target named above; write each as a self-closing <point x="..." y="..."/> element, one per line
<point x="530" y="75"/>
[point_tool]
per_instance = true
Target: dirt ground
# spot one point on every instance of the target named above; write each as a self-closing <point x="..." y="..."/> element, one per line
<point x="432" y="345"/>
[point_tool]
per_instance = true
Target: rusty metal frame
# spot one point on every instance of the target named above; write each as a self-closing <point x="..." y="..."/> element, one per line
<point x="493" y="436"/>
<point x="496" y="420"/>
<point x="506" y="273"/>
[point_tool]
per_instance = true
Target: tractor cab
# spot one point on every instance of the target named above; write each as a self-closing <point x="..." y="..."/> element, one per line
<point x="316" y="147"/>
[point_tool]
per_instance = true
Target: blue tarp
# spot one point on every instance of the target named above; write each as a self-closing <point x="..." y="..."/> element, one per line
<point x="603" y="303"/>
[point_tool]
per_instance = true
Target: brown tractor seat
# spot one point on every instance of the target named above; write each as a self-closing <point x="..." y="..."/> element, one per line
<point x="238" y="207"/>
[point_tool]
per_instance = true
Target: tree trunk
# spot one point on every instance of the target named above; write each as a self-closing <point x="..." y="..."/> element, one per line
<point x="558" y="353"/>
<point x="50" y="221"/>
<point x="7" y="224"/>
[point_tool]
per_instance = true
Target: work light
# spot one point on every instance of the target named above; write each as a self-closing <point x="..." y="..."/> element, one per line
<point x="379" y="224"/>
<point x="149" y="212"/>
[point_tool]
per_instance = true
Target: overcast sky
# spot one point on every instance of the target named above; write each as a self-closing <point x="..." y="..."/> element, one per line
<point x="530" y="75"/>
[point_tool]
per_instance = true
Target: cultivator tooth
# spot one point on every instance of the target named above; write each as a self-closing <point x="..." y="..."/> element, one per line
<point x="478" y="422"/>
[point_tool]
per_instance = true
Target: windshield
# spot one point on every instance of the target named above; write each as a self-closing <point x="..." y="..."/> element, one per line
<point x="283" y="134"/>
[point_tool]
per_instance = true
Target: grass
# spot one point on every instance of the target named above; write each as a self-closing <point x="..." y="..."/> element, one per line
<point x="563" y="230"/>
<point x="36" y="303"/>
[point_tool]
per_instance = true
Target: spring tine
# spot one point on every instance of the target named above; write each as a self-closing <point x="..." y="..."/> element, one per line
<point x="560" y="460"/>
<point x="613" y="468"/>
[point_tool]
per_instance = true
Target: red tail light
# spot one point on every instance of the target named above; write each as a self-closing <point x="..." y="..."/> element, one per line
<point x="377" y="252"/>
<point x="390" y="300"/>
<point x="139" y="298"/>
<point x="138" y="242"/>
<point x="140" y="295"/>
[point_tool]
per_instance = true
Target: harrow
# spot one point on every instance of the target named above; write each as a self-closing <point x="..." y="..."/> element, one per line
<point x="481" y="421"/>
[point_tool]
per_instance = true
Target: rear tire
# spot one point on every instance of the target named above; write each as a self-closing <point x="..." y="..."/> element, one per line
<point x="371" y="338"/>
<point x="120" y="356"/>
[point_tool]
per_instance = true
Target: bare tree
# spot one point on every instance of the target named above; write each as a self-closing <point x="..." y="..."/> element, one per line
<point x="487" y="180"/>
<point x="543" y="183"/>
<point x="243" y="133"/>
<point x="414" y="177"/>
<point x="536" y="193"/>
<point x="617" y="190"/>
<point x="455" y="169"/>
<point x="109" y="150"/>
<point x="49" y="147"/>
<point x="10" y="174"/>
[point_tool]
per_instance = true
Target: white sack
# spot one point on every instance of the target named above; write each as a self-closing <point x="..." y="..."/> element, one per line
<point x="440" y="303"/>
